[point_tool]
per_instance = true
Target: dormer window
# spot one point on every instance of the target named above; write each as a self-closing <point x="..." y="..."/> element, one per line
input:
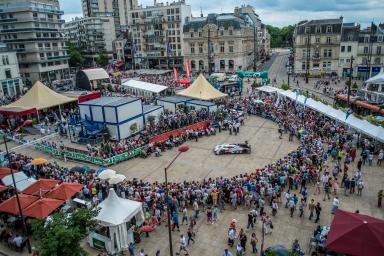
<point x="329" y="29"/>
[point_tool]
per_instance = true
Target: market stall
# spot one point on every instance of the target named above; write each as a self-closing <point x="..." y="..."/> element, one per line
<point x="172" y="103"/>
<point x="140" y="88"/>
<point x="117" y="219"/>
<point x="89" y="79"/>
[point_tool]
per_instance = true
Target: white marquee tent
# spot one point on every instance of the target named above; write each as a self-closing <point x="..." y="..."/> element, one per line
<point x="143" y="88"/>
<point x="114" y="213"/>
<point x="362" y="126"/>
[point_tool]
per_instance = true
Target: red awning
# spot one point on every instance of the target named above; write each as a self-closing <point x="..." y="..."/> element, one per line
<point x="65" y="191"/>
<point x="40" y="187"/>
<point x="89" y="96"/>
<point x="119" y="65"/>
<point x="42" y="208"/>
<point x="184" y="81"/>
<point x="356" y="234"/>
<point x="5" y="171"/>
<point x="18" y="112"/>
<point x="10" y="205"/>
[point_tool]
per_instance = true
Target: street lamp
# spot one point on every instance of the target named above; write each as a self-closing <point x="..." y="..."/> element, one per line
<point x="17" y="194"/>
<point x="181" y="149"/>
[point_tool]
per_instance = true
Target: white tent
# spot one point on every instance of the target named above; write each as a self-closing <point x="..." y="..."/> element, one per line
<point x="140" y="87"/>
<point x="114" y="213"/>
<point x="21" y="179"/>
<point x="360" y="125"/>
<point x="268" y="89"/>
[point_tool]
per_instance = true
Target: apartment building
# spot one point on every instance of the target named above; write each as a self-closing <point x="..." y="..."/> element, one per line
<point x="156" y="34"/>
<point x="10" y="79"/>
<point x="317" y="46"/>
<point x="33" y="28"/>
<point x="225" y="42"/>
<point x="92" y="35"/>
<point x="117" y="9"/>
<point x="348" y="49"/>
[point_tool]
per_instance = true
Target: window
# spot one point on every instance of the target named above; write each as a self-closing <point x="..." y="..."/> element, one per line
<point x="306" y="40"/>
<point x="343" y="48"/>
<point x="303" y="66"/>
<point x="324" y="64"/>
<point x="307" y="30"/>
<point x="193" y="64"/>
<point x="366" y="39"/>
<point x="318" y="29"/>
<point x="200" y="47"/>
<point x="222" y="47"/>
<point x="378" y="50"/>
<point x="380" y="38"/>
<point x="325" y="53"/>
<point x="365" y="50"/>
<point x="230" y="32"/>
<point x="191" y="34"/>
<point x="221" y="32"/>
<point x="8" y="74"/>
<point x="317" y="40"/>
<point x="349" y="48"/>
<point x="200" y="34"/>
<point x="377" y="61"/>
<point x="222" y="65"/>
<point x="192" y="48"/>
<point x="329" y="29"/>
<point x="328" y="40"/>
<point x="330" y="53"/>
<point x="5" y="60"/>
<point x="231" y="64"/>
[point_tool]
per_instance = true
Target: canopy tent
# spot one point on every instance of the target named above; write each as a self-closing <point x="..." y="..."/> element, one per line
<point x="201" y="89"/>
<point x="5" y="171"/>
<point x="139" y="87"/>
<point x="377" y="79"/>
<point x="10" y="205"/>
<point x="268" y="89"/>
<point x="363" y="126"/>
<point x="356" y="234"/>
<point x="37" y="98"/>
<point x="40" y="187"/>
<point x="87" y="79"/>
<point x="65" y="191"/>
<point x="21" y="179"/>
<point x="114" y="213"/>
<point x="42" y="208"/>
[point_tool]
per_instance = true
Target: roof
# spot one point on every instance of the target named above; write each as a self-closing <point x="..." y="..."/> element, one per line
<point x="150" y="108"/>
<point x="225" y="20"/>
<point x="115" y="210"/>
<point x="322" y="21"/>
<point x="377" y="79"/>
<point x="38" y="97"/>
<point x="268" y="89"/>
<point x="201" y="89"/>
<point x="95" y="73"/>
<point x="201" y="103"/>
<point x="175" y="99"/>
<point x="109" y="101"/>
<point x="144" y="86"/>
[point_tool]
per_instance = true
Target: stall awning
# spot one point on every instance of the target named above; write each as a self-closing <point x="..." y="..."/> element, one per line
<point x="144" y="86"/>
<point x="201" y="89"/>
<point x="95" y="73"/>
<point x="38" y="97"/>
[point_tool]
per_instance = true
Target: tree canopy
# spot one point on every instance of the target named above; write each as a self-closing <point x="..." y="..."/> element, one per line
<point x="102" y="59"/>
<point x="61" y="235"/>
<point x="281" y="37"/>
<point x="76" y="59"/>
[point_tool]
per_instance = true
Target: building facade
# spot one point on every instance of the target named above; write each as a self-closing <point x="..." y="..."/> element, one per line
<point x="225" y="42"/>
<point x="34" y="30"/>
<point x="92" y="35"/>
<point x="117" y="9"/>
<point x="317" y="47"/>
<point x="348" y="49"/>
<point x="156" y="35"/>
<point x="10" y="79"/>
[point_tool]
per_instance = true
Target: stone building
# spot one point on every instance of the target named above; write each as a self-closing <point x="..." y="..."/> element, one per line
<point x="10" y="79"/>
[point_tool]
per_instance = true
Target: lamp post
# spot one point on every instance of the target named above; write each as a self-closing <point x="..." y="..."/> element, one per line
<point x="17" y="195"/>
<point x="181" y="149"/>
<point x="262" y="237"/>
<point x="350" y="81"/>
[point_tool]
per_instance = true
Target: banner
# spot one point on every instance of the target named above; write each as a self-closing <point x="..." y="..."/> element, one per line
<point x="176" y="75"/>
<point x="89" y="159"/>
<point x="188" y="69"/>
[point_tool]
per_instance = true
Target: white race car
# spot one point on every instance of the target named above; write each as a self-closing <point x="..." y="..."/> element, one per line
<point x="241" y="148"/>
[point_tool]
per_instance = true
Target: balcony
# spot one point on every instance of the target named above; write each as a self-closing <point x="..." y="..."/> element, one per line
<point x="58" y="57"/>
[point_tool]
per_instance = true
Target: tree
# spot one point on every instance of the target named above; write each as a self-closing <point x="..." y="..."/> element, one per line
<point x="281" y="37"/>
<point x="102" y="59"/>
<point x="133" y="128"/>
<point x="285" y="87"/>
<point x="151" y="119"/>
<point x="61" y="235"/>
<point x="76" y="59"/>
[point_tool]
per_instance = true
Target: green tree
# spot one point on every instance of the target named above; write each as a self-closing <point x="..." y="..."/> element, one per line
<point x="61" y="235"/>
<point x="281" y="37"/>
<point x="76" y="59"/>
<point x="102" y="59"/>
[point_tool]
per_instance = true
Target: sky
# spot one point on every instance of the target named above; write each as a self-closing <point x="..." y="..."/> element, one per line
<point x="274" y="12"/>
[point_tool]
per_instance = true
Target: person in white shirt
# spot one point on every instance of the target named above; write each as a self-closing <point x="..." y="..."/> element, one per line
<point x="335" y="205"/>
<point x="231" y="236"/>
<point x="183" y="245"/>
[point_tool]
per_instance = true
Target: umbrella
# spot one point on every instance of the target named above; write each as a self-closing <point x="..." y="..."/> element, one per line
<point x="107" y="174"/>
<point x="356" y="234"/>
<point x="10" y="205"/>
<point x="27" y="122"/>
<point x="100" y="170"/>
<point x="40" y="187"/>
<point x="278" y="250"/>
<point x="42" y="208"/>
<point x="147" y="229"/>
<point x="39" y="161"/>
<point x="65" y="191"/>
<point x="5" y="171"/>
<point x="117" y="178"/>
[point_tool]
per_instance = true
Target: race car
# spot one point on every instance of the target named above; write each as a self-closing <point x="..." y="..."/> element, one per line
<point x="241" y="148"/>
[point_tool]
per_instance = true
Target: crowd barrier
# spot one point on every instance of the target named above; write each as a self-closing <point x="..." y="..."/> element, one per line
<point x="165" y="136"/>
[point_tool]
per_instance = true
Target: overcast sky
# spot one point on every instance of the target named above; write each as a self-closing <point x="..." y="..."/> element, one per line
<point x="275" y="12"/>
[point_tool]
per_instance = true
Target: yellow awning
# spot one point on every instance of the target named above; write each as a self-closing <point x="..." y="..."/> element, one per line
<point x="39" y="97"/>
<point x="201" y="89"/>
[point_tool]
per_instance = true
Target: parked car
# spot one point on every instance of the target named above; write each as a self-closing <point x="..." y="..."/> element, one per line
<point x="241" y="148"/>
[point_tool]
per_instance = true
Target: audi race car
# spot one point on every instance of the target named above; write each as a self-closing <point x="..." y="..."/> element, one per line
<point x="241" y="148"/>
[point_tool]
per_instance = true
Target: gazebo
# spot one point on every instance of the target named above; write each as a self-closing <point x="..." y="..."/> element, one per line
<point x="115" y="213"/>
<point x="201" y="89"/>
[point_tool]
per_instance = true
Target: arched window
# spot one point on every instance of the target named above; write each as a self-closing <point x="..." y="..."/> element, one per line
<point x="193" y="65"/>
<point x="201" y="65"/>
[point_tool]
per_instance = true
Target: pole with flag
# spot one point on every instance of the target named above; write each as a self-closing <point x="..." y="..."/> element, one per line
<point x="169" y="51"/>
<point x="187" y="69"/>
<point x="176" y="75"/>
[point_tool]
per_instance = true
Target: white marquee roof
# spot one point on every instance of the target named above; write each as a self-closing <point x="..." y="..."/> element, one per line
<point x="96" y="73"/>
<point x="377" y="79"/>
<point x="144" y="86"/>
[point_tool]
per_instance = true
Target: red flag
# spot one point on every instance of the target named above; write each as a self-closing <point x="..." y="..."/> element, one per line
<point x="175" y="74"/>
<point x="188" y="69"/>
